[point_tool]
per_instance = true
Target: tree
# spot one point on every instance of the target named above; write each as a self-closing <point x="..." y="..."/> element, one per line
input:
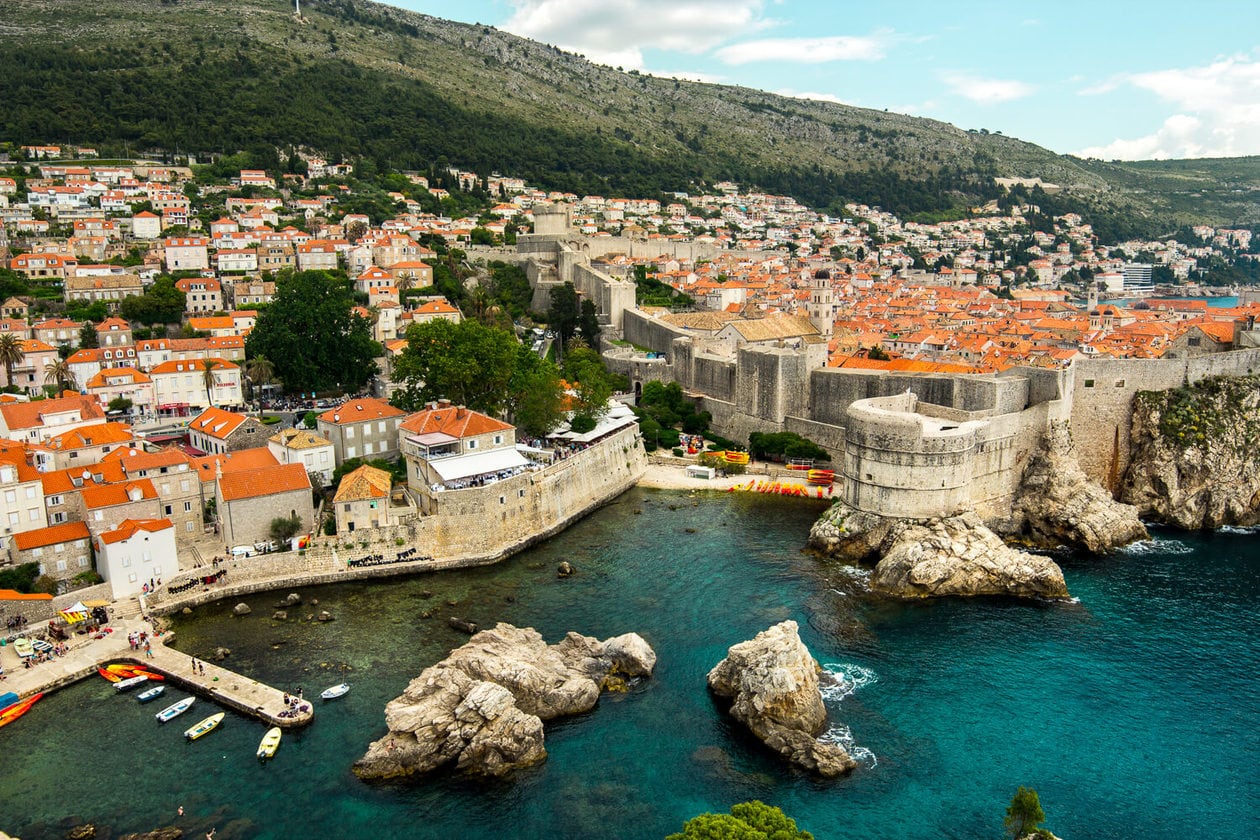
<point x="207" y="378"/>
<point x="312" y="335"/>
<point x="590" y="380"/>
<point x="59" y="373"/>
<point x="468" y="363"/>
<point x="11" y="355"/>
<point x="535" y="399"/>
<point x="162" y="303"/>
<point x="119" y="404"/>
<point x="87" y="336"/>
<point x="285" y="528"/>
<point x="563" y="314"/>
<point x="588" y="323"/>
<point x="746" y="821"/>
<point x="261" y="371"/>
<point x="1024" y="813"/>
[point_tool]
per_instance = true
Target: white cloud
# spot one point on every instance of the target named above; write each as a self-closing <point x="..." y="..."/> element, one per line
<point x="809" y="50"/>
<point x="615" y="32"/>
<point x="1217" y="113"/>
<point x="805" y="94"/>
<point x="986" y="91"/>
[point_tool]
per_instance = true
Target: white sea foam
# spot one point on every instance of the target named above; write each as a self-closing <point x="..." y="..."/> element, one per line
<point x="1238" y="529"/>
<point x="846" y="679"/>
<point x="1157" y="547"/>
<point x="842" y="736"/>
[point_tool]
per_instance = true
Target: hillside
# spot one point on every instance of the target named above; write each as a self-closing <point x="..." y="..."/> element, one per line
<point x="353" y="78"/>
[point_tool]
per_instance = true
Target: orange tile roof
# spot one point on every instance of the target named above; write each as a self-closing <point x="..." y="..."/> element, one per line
<point x="14" y="595"/>
<point x="97" y="435"/>
<point x="62" y="481"/>
<point x="216" y="422"/>
<point x="359" y="411"/>
<point x="129" y="527"/>
<point x="366" y="482"/>
<point x="28" y="415"/>
<point x="109" y="495"/>
<point x="454" y="421"/>
<point x="53" y="534"/>
<point x="238" y="461"/>
<point x="249" y="484"/>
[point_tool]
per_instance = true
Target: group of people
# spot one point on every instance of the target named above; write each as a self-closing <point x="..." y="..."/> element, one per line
<point x="140" y="641"/>
<point x="15" y="622"/>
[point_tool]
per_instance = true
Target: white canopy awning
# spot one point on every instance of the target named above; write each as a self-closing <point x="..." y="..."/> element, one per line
<point x="479" y="463"/>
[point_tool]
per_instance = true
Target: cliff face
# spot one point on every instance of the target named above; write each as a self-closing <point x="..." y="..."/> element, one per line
<point x="1196" y="454"/>
<point x="1057" y="504"/>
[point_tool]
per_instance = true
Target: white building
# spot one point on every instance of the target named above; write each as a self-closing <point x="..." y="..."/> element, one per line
<point x="136" y="552"/>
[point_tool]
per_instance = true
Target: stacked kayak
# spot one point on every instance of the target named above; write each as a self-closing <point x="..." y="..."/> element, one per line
<point x="16" y="710"/>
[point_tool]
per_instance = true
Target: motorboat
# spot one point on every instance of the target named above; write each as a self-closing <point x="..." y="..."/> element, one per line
<point x="207" y="725"/>
<point x="270" y="743"/>
<point x="151" y="694"/>
<point x="335" y="691"/>
<point x="23" y="647"/>
<point x="174" y="710"/>
<point x="131" y="682"/>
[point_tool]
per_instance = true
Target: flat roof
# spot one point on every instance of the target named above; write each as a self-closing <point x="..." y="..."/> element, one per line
<point x="493" y="460"/>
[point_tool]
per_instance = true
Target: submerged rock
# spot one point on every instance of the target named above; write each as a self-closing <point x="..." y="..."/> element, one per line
<point x="960" y="556"/>
<point x="1057" y="504"/>
<point x="481" y="709"/>
<point x="241" y="609"/>
<point x="772" y="682"/>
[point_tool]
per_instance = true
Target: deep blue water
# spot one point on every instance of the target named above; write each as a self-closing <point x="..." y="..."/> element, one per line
<point x="1133" y="712"/>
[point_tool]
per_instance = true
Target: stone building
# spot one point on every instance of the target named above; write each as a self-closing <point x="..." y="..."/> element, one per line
<point x="107" y="506"/>
<point x="362" y="499"/>
<point x="298" y="446"/>
<point x="363" y="428"/>
<point x="248" y="500"/>
<point x="215" y="431"/>
<point x="450" y="447"/>
<point x="62" y="551"/>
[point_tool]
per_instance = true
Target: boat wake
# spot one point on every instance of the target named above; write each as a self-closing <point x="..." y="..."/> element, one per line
<point x="1156" y="547"/>
<point x="846" y="679"/>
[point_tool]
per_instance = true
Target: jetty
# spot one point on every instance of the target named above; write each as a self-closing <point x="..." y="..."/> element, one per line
<point x="221" y="685"/>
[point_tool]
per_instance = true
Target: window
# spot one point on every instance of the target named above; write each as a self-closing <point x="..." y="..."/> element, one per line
<point x="520" y="494"/>
<point x="59" y="548"/>
<point x="188" y="526"/>
<point x="346" y="508"/>
<point x="1089" y="383"/>
<point x="183" y="485"/>
<point x="380" y="427"/>
<point x="166" y="509"/>
<point x="37" y="552"/>
<point x="1119" y="383"/>
<point x="52" y="500"/>
<point x="30" y="492"/>
<point x="503" y="500"/>
<point x="1194" y="342"/>
<point x="58" y="518"/>
<point x="61" y="565"/>
<point x="10" y="496"/>
<point x="13" y="519"/>
<point x="187" y="507"/>
<point x="82" y="562"/>
<point x="472" y="444"/>
<point x="367" y="449"/>
<point x="349" y="431"/>
<point x="351" y="452"/>
<point x="32" y="515"/>
<point x="498" y="439"/>
<point x="98" y="515"/>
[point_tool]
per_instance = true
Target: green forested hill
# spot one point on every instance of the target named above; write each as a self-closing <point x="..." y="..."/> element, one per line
<point x="353" y="78"/>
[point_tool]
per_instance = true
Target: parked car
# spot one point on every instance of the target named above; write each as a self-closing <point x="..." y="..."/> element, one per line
<point x="243" y="551"/>
<point x="265" y="546"/>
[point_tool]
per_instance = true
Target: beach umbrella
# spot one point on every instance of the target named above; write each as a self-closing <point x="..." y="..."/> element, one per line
<point x="74" y="613"/>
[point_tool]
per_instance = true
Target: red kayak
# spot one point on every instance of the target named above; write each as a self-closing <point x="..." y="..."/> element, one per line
<point x="12" y="713"/>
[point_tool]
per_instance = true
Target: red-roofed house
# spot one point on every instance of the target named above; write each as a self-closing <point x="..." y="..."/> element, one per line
<point x="123" y="383"/>
<point x="105" y="506"/>
<point x="216" y="431"/>
<point x="36" y="422"/>
<point x="135" y="554"/>
<point x="432" y="310"/>
<point x="248" y="500"/>
<point x="87" y="445"/>
<point x="362" y="499"/>
<point x="178" y="384"/>
<point x="201" y="294"/>
<point x="21" y="495"/>
<point x="453" y="447"/>
<point x="62" y="551"/>
<point x="363" y="428"/>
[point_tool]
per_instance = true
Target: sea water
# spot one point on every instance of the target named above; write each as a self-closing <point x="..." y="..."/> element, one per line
<point x="1131" y="710"/>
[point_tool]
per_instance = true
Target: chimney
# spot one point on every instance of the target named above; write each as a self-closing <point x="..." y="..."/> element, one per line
<point x="444" y="403"/>
<point x="459" y="411"/>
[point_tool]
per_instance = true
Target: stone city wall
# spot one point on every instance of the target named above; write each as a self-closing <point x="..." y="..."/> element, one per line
<point x="39" y="612"/>
<point x="1102" y="392"/>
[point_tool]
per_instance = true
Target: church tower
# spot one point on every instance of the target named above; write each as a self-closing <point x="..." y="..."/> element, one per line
<point x="822" y="302"/>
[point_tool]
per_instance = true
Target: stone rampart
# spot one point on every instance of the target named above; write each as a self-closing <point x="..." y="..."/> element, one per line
<point x="1102" y="401"/>
<point x="37" y="612"/>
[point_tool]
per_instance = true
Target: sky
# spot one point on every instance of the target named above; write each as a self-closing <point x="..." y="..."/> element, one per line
<point x="1112" y="79"/>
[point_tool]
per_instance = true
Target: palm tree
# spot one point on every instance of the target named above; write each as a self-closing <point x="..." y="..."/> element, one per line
<point x="261" y="371"/>
<point x="207" y="374"/>
<point x="11" y="354"/>
<point x="60" y="373"/>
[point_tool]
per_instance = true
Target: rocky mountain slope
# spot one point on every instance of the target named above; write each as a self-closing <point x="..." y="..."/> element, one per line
<point x="352" y="77"/>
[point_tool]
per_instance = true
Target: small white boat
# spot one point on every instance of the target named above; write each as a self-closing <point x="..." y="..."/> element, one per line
<point x="174" y="710"/>
<point x="205" y="726"/>
<point x="335" y="692"/>
<point x="130" y="683"/>
<point x="151" y="694"/>
<point x="270" y="743"/>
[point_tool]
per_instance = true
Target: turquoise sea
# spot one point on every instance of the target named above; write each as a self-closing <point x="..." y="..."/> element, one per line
<point x="1133" y="711"/>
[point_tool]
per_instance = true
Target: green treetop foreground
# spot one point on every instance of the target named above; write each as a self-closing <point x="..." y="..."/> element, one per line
<point x="746" y="821"/>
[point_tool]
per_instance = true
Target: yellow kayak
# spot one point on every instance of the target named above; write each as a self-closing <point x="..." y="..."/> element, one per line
<point x="270" y="743"/>
<point x="205" y="726"/>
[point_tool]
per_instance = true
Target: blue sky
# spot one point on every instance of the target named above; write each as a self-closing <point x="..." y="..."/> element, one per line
<point x="1108" y="79"/>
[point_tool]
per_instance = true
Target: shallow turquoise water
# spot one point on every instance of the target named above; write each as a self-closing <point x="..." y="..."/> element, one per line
<point x="1132" y="712"/>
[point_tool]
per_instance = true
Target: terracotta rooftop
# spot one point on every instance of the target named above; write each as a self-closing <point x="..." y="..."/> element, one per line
<point x="249" y="484"/>
<point x="130" y="527"/>
<point x="366" y="482"/>
<point x="28" y="415"/>
<point x="109" y="495"/>
<point x="360" y="411"/>
<point x="40" y="537"/>
<point x="452" y="420"/>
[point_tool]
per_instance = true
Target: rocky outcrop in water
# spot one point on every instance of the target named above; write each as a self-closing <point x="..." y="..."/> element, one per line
<point x="1195" y="454"/>
<point x="482" y="708"/>
<point x="1057" y="504"/>
<point x="932" y="558"/>
<point x="772" y="683"/>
